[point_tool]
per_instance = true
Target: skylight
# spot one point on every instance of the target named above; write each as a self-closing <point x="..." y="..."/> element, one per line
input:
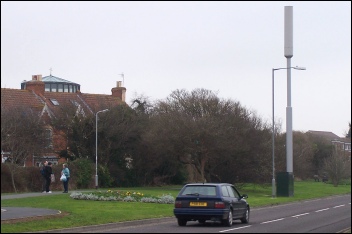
<point x="54" y="101"/>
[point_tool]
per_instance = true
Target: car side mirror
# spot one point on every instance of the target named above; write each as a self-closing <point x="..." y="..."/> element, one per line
<point x="244" y="196"/>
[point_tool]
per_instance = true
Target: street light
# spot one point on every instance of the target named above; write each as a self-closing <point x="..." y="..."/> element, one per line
<point x="96" y="147"/>
<point x="273" y="134"/>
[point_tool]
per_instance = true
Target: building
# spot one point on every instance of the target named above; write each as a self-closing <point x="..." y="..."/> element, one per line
<point x="46" y="96"/>
<point x="341" y="143"/>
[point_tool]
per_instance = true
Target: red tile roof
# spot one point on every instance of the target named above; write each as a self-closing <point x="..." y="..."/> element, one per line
<point x="91" y="103"/>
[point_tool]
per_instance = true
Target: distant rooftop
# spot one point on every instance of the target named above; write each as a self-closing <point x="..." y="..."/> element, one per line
<point x="54" y="79"/>
<point x="55" y="84"/>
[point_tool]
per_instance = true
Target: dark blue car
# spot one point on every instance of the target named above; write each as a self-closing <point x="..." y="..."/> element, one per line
<point x="211" y="201"/>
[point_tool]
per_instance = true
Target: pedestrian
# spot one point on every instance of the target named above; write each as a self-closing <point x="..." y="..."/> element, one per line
<point x="48" y="171"/>
<point x="65" y="171"/>
<point x="42" y="172"/>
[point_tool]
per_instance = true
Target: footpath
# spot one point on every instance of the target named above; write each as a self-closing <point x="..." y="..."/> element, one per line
<point x="8" y="213"/>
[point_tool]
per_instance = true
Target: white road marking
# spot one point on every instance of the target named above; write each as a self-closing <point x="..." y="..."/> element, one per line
<point x="235" y="228"/>
<point x="272" y="221"/>
<point x="296" y="216"/>
<point x="321" y="210"/>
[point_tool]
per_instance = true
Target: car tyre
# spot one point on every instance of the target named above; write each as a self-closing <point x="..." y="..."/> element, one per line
<point x="228" y="222"/>
<point x="245" y="219"/>
<point x="202" y="221"/>
<point x="181" y="222"/>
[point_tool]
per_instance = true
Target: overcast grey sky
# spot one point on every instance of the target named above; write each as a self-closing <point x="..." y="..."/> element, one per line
<point x="227" y="47"/>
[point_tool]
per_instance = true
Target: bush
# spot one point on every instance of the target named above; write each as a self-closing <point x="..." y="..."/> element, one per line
<point x="85" y="177"/>
<point x="105" y="180"/>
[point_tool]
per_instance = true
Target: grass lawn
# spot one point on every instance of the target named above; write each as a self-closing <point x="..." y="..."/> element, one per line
<point x="77" y="213"/>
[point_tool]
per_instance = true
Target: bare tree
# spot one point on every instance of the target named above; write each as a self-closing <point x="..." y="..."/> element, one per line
<point x="336" y="166"/>
<point x="214" y="138"/>
<point x="348" y="134"/>
<point x="303" y="156"/>
<point x="22" y="134"/>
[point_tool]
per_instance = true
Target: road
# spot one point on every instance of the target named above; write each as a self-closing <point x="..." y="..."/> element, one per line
<point x="326" y="215"/>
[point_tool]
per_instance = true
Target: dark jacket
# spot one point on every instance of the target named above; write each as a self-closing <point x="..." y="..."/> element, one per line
<point x="48" y="171"/>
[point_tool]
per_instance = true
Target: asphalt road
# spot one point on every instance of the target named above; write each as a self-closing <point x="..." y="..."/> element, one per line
<point x="329" y="215"/>
<point x="326" y="215"/>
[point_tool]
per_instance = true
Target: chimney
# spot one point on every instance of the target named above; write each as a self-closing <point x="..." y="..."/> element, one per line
<point x="36" y="85"/>
<point x="119" y="91"/>
<point x="37" y="77"/>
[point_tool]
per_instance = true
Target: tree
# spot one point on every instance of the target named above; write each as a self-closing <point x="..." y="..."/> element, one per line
<point x="214" y="139"/>
<point x="336" y="166"/>
<point x="303" y="156"/>
<point x="22" y="134"/>
<point x="348" y="135"/>
<point x="322" y="149"/>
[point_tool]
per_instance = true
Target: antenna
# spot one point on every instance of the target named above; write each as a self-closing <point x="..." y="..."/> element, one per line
<point x="123" y="79"/>
<point x="50" y="71"/>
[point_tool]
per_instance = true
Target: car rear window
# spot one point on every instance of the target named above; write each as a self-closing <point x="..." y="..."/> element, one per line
<point x="200" y="190"/>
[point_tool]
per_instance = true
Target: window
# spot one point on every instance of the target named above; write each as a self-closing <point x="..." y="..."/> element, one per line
<point x="47" y="87"/>
<point x="54" y="101"/>
<point x="66" y="88"/>
<point x="224" y="191"/>
<point x="231" y="193"/>
<point x="60" y="88"/>
<point x="53" y="87"/>
<point x="234" y="191"/>
<point x="201" y="190"/>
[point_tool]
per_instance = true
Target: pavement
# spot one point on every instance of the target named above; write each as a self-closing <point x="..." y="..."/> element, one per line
<point x="10" y="213"/>
<point x="15" y="213"/>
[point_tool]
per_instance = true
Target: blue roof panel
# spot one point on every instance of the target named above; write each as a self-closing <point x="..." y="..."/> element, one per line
<point x="55" y="79"/>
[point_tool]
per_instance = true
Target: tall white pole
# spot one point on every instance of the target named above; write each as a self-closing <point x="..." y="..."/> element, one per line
<point x="274" y="191"/>
<point x="273" y="182"/>
<point x="288" y="50"/>
<point x="96" y="147"/>
<point x="96" y="150"/>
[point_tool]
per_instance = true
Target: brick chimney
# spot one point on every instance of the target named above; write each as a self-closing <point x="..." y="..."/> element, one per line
<point x="36" y="85"/>
<point x="119" y="91"/>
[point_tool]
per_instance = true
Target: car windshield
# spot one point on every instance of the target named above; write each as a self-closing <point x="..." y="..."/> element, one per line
<point x="199" y="190"/>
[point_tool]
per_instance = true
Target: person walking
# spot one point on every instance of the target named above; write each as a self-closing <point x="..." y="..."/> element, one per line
<point x="42" y="171"/>
<point x="47" y="172"/>
<point x="65" y="171"/>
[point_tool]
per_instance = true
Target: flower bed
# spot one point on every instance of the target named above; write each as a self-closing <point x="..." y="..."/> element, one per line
<point x="111" y="195"/>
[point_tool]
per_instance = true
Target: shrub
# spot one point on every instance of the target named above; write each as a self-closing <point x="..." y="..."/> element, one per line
<point x="84" y="177"/>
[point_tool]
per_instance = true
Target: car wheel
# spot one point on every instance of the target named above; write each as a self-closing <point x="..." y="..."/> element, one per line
<point x="245" y="219"/>
<point x="229" y="220"/>
<point x="202" y="221"/>
<point x="181" y="222"/>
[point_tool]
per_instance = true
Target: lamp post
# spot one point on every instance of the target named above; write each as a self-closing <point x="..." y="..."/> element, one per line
<point x="273" y="134"/>
<point x="96" y="147"/>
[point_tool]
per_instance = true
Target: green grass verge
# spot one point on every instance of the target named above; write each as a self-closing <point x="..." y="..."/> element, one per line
<point x="83" y="212"/>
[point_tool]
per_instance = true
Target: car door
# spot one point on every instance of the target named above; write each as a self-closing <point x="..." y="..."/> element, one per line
<point x="237" y="204"/>
<point x="226" y="196"/>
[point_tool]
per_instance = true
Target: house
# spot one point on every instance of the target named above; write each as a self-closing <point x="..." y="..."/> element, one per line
<point x="46" y="96"/>
<point x="341" y="143"/>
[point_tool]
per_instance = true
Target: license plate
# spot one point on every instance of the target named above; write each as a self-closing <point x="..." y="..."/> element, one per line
<point x="197" y="204"/>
